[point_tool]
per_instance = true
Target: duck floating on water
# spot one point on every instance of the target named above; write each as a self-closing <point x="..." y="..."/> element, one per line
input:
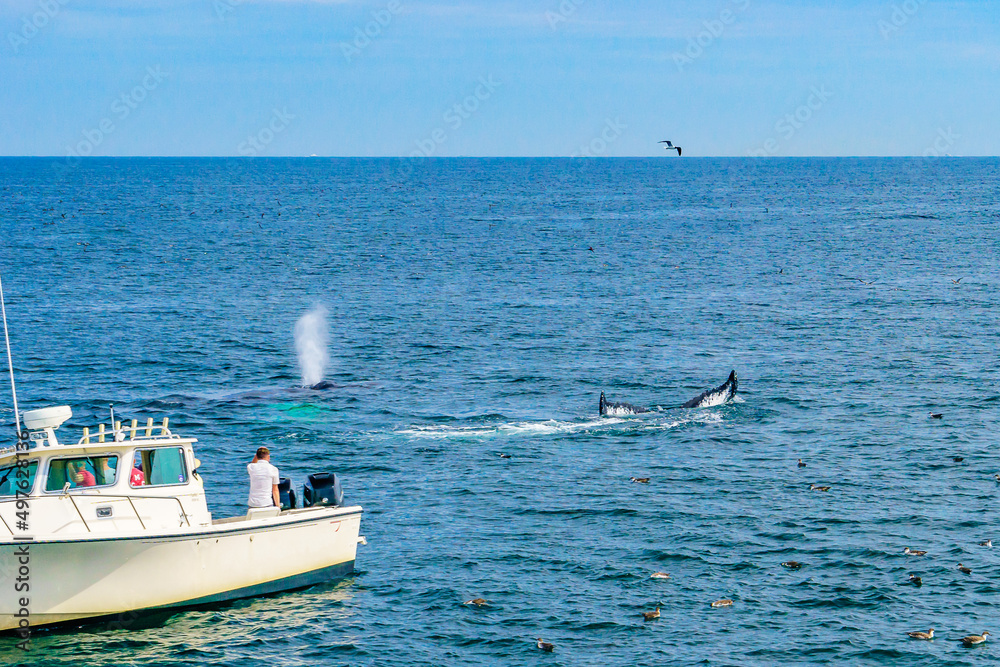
<point x="651" y="615"/>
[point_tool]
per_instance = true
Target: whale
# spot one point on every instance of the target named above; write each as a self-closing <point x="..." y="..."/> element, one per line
<point x="707" y="399"/>
<point x="718" y="396"/>
<point x="323" y="386"/>
<point x="608" y="408"/>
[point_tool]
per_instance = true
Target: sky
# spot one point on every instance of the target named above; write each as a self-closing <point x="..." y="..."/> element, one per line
<point x="277" y="78"/>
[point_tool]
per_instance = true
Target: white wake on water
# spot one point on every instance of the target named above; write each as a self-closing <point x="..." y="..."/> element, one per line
<point x="310" y="344"/>
<point x="552" y="426"/>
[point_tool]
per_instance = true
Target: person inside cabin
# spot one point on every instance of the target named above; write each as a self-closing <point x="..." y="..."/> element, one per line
<point x="79" y="474"/>
<point x="263" y="480"/>
<point x="138" y="477"/>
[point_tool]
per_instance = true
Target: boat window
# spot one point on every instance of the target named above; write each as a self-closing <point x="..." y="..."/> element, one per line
<point x="82" y="472"/>
<point x="158" y="467"/>
<point x="16" y="478"/>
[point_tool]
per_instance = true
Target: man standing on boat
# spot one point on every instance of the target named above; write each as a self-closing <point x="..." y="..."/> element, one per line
<point x="263" y="480"/>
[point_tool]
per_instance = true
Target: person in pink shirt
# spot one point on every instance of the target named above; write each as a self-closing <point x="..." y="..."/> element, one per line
<point x="80" y="475"/>
<point x="138" y="478"/>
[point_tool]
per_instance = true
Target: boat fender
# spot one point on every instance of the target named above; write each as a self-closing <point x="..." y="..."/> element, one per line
<point x="323" y="488"/>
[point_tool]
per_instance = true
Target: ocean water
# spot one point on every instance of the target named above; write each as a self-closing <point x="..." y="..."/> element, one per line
<point x="478" y="307"/>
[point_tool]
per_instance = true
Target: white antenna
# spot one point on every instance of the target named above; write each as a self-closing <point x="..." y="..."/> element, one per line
<point x="10" y="364"/>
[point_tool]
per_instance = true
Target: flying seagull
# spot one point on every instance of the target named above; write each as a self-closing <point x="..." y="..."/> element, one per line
<point x="671" y="147"/>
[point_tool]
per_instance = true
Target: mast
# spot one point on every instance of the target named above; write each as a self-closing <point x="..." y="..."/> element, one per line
<point x="10" y="364"/>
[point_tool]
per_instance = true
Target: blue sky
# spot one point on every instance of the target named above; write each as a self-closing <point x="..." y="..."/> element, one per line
<point x="539" y="78"/>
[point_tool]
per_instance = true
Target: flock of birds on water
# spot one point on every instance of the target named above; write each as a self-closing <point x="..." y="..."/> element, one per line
<point x="969" y="641"/>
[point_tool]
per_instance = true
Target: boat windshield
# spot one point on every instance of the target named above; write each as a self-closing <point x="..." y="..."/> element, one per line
<point x="14" y="478"/>
<point x="82" y="471"/>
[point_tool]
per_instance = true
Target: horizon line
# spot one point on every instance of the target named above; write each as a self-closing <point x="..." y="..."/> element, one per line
<point x="75" y="158"/>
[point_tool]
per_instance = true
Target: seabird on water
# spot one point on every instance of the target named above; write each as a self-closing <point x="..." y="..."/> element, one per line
<point x="922" y="635"/>
<point x="545" y="646"/>
<point x="963" y="569"/>
<point x="986" y="543"/>
<point x="479" y="602"/>
<point x="722" y="603"/>
<point x="913" y="552"/>
<point x="651" y="615"/>
<point x="659" y="575"/>
<point x="975" y="640"/>
<point x="671" y="147"/>
<point x="915" y="580"/>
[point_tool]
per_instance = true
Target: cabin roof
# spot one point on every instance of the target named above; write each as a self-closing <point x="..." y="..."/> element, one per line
<point x="9" y="453"/>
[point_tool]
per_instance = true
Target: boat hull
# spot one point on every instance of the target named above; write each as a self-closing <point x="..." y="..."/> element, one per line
<point x="114" y="578"/>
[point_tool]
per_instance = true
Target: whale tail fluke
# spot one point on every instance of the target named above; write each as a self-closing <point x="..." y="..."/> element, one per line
<point x="718" y="396"/>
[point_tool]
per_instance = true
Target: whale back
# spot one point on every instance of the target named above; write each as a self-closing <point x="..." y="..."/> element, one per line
<point x="606" y="407"/>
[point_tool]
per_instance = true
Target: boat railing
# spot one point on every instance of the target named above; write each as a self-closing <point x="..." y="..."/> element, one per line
<point x="183" y="515"/>
<point x="119" y="433"/>
<point x="72" y="498"/>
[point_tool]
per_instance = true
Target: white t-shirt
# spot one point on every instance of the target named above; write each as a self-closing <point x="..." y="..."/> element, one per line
<point x="262" y="476"/>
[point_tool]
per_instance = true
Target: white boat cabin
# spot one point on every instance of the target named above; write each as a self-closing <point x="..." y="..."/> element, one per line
<point x="132" y="479"/>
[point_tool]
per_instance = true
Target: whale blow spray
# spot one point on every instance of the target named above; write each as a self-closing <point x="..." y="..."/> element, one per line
<point x="310" y="343"/>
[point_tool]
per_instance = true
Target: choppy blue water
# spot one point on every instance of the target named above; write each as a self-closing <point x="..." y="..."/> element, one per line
<point x="469" y="317"/>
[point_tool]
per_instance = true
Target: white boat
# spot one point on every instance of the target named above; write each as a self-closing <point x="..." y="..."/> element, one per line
<point x="85" y="538"/>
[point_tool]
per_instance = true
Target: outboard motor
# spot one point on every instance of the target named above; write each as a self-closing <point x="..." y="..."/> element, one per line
<point x="323" y="488"/>
<point x="286" y="494"/>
